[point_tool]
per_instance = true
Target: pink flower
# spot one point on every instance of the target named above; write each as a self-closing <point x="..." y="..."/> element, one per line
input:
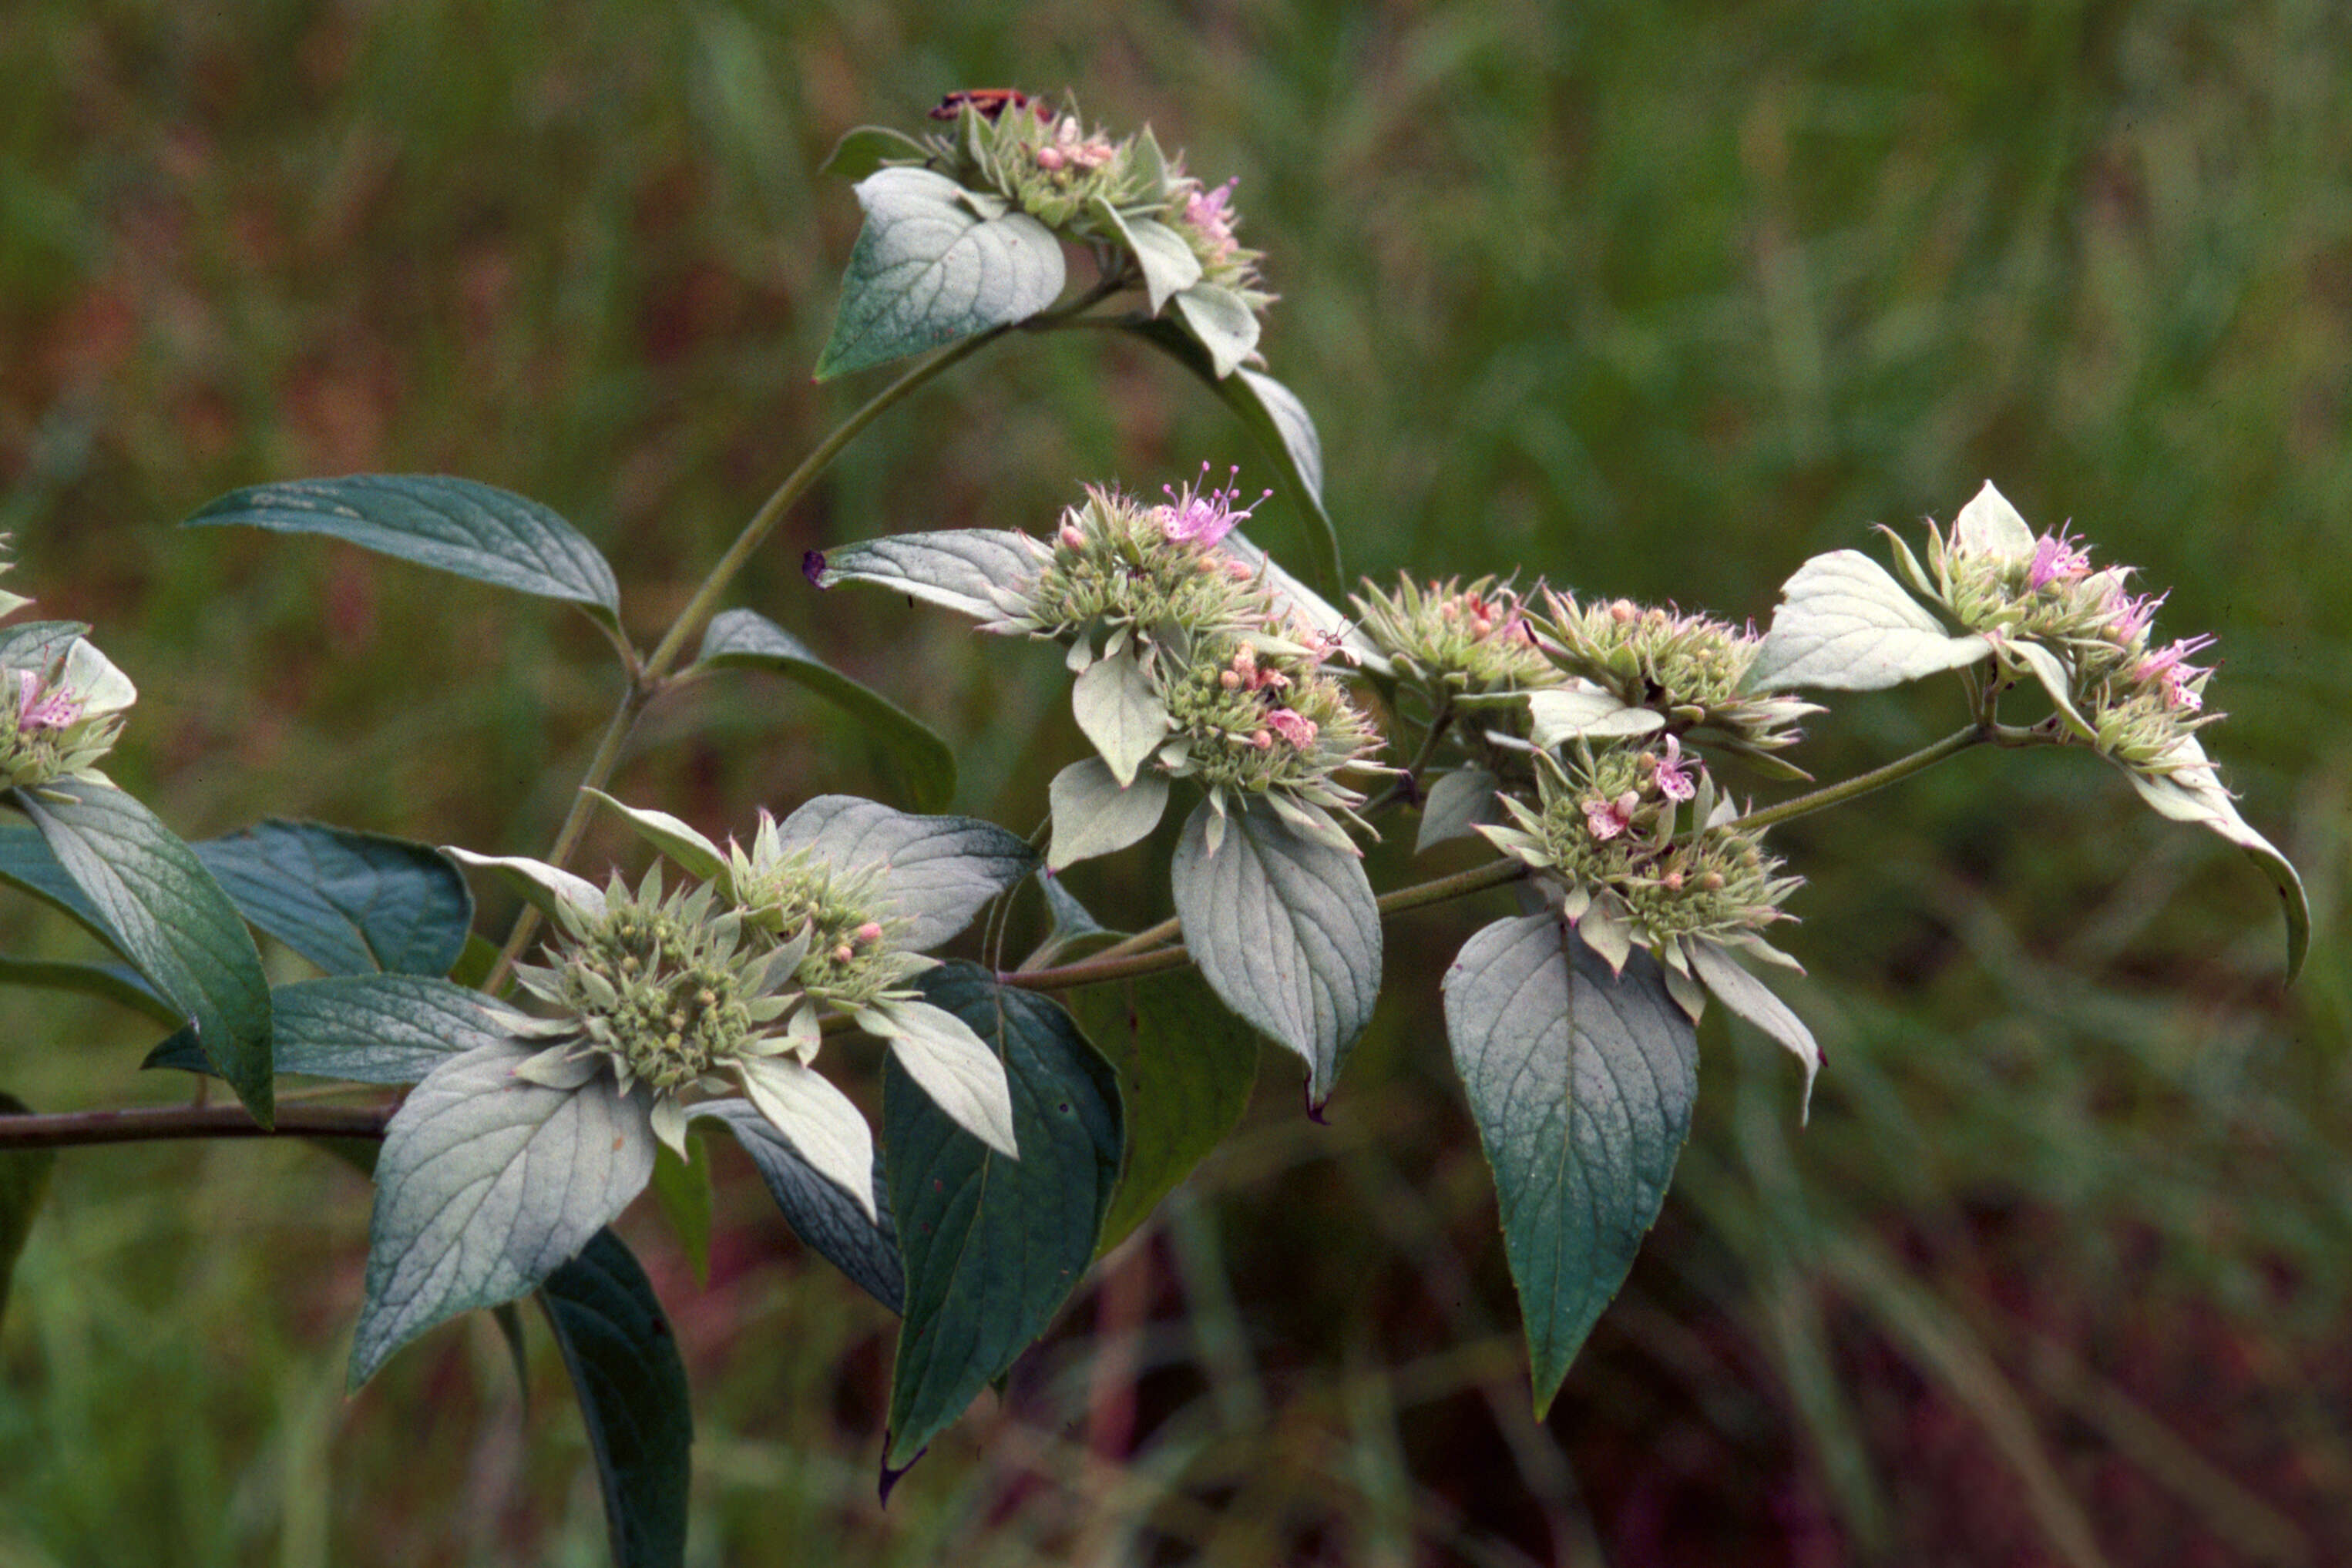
<point x="2169" y="668"/>
<point x="1212" y="219"/>
<point x="1196" y="515"/>
<point x="2057" y="558"/>
<point x="2134" y="614"/>
<point x="1293" y="726"/>
<point x="1607" y="819"/>
<point x="1674" y="779"/>
<point x="36" y="711"/>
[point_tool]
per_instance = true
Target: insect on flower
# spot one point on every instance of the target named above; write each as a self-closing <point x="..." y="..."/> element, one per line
<point x="991" y="101"/>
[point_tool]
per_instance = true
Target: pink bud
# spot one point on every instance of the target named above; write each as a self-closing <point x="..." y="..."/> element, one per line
<point x="870" y="933"/>
<point x="1073" y="536"/>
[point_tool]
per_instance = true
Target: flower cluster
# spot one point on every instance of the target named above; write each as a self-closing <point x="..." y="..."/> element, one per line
<point x="666" y="991"/>
<point x="1452" y="640"/>
<point x="665" y="997"/>
<point x="1690" y="670"/>
<point x="2136" y="702"/>
<point x="61" y="702"/>
<point x="1225" y="678"/>
<point x="1080" y="180"/>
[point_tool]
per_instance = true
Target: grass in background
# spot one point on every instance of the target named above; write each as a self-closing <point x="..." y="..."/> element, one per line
<point x="1655" y="302"/>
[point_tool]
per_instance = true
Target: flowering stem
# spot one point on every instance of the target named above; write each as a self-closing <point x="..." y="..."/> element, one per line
<point x="1984" y="733"/>
<point x="157" y="1124"/>
<point x="1406" y="787"/>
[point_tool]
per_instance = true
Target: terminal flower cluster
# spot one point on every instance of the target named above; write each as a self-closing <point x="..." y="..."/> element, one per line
<point x="1083" y="182"/>
<point x="1454" y="640"/>
<point x="61" y="703"/>
<point x="2136" y="702"/>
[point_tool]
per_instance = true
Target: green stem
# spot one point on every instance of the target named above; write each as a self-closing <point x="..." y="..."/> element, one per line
<point x="1860" y="784"/>
<point x="146" y="1124"/>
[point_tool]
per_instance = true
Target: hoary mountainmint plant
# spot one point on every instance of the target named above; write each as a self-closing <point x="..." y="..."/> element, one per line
<point x="547" y="1081"/>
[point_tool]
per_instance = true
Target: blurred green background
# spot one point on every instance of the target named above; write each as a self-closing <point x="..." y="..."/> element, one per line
<point x="1650" y="300"/>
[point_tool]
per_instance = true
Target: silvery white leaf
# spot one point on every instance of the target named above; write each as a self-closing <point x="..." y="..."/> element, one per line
<point x="1165" y="257"/>
<point x="1990" y="526"/>
<point x="1222" y="321"/>
<point x="92" y="676"/>
<point x="672" y="837"/>
<point x="2193" y="793"/>
<point x="1094" y="815"/>
<point x="938" y="871"/>
<point x="1120" y="710"/>
<point x="1749" y="996"/>
<point x="546" y="886"/>
<point x="1285" y="929"/>
<point x="1461" y="801"/>
<point x="1303" y="603"/>
<point x="959" y="570"/>
<point x="823" y="1126"/>
<point x="1588" y="710"/>
<point x="488" y="1183"/>
<point x="1844" y="624"/>
<point x="951" y="1064"/>
<point x="2051" y="670"/>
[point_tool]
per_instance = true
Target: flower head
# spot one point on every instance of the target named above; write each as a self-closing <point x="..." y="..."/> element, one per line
<point x="1689" y="669"/>
<point x="1200" y="515"/>
<point x="61" y="704"/>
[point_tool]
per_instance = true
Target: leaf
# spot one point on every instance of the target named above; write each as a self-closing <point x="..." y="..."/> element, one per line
<point x="1586" y="712"/>
<point x="351" y="902"/>
<point x="865" y="148"/>
<point x="697" y="855"/>
<point x="1749" y="996"/>
<point x="165" y="913"/>
<point x="1581" y="1084"/>
<point x="1457" y="802"/>
<point x="364" y="1029"/>
<point x="544" y="887"/>
<point x="928" y="271"/>
<point x="1989" y="525"/>
<point x="744" y="639"/>
<point x="957" y="571"/>
<point x="28" y="865"/>
<point x="1285" y="930"/>
<point x="24" y="1181"/>
<point x="1167" y="259"/>
<point x="1120" y="709"/>
<point x="37" y="644"/>
<point x="633" y="1397"/>
<point x="1273" y="414"/>
<point x="993" y="1246"/>
<point x="2056" y="680"/>
<point x="682" y="1188"/>
<point x="1300" y="603"/>
<point x="822" y="1213"/>
<point x="1845" y="625"/>
<point x="951" y="1064"/>
<point x="1222" y="321"/>
<point x="1186" y="1069"/>
<point x="116" y="983"/>
<point x="939" y="870"/>
<point x="456" y="526"/>
<point x="1094" y="815"/>
<point x="2193" y="793"/>
<point x="488" y="1183"/>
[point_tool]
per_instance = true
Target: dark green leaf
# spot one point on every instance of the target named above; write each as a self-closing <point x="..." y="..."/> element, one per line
<point x="117" y="983"/>
<point x="1186" y="1067"/>
<point x="28" y="865"/>
<point x="451" y="525"/>
<point x="170" y="919"/>
<point x="1581" y="1083"/>
<point x="351" y="902"/>
<point x="625" y="1366"/>
<point x="1285" y="929"/>
<point x="928" y="271"/>
<point x="364" y="1029"/>
<point x="742" y="639"/>
<point x="24" y="1179"/>
<point x="828" y="1219"/>
<point x="993" y="1246"/>
<point x="1273" y="414"/>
